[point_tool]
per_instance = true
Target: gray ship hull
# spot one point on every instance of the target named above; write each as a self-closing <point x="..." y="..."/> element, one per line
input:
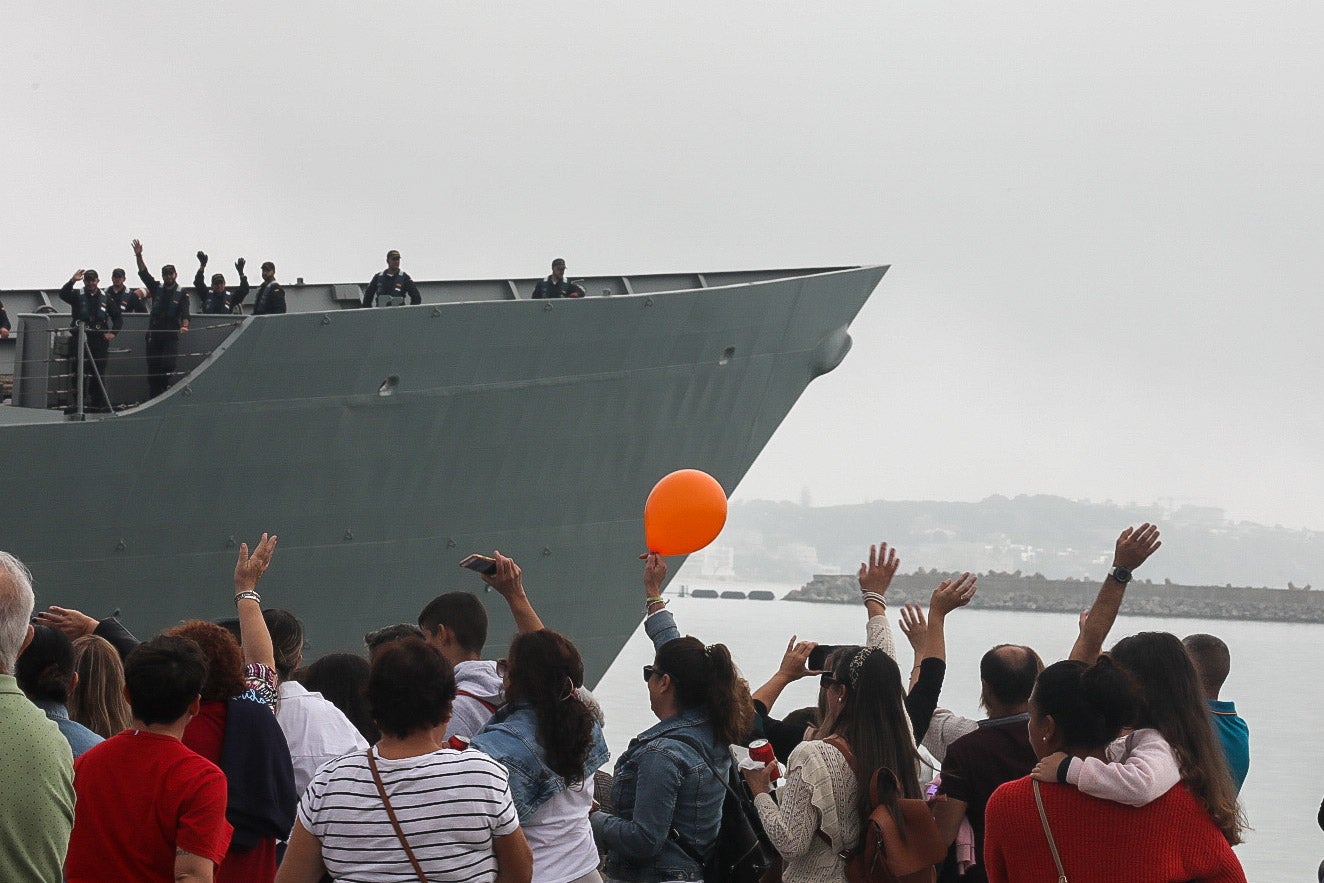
<point x="384" y="445"/>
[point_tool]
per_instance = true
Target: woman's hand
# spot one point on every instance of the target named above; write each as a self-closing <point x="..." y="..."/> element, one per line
<point x="914" y="626"/>
<point x="758" y="780"/>
<point x="877" y="575"/>
<point x="951" y="594"/>
<point x="73" y="623"/>
<point x="655" y="573"/>
<point x="249" y="568"/>
<point x="1046" y="769"/>
<point x="795" y="661"/>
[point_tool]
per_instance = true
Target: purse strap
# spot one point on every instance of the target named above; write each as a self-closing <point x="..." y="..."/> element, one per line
<point x="1052" y="845"/>
<point x="395" y="823"/>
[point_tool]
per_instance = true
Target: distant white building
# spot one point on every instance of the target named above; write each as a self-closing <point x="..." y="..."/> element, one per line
<point x="716" y="562"/>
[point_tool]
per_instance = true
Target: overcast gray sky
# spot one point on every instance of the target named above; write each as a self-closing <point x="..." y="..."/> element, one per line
<point x="1103" y="224"/>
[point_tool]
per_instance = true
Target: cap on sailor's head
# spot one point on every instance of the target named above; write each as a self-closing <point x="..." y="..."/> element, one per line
<point x="393" y="255"/>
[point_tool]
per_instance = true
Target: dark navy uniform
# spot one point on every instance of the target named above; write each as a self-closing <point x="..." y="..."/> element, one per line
<point x="128" y="300"/>
<point x="219" y="304"/>
<point x="270" y="299"/>
<point x="169" y="314"/>
<point x="551" y="288"/>
<point x="390" y="289"/>
<point x="99" y="313"/>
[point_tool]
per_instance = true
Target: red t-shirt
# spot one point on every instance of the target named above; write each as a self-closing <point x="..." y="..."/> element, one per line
<point x="140" y="796"/>
<point x="1171" y="839"/>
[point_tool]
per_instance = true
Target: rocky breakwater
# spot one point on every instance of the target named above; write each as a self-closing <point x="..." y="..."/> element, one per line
<point x="1015" y="591"/>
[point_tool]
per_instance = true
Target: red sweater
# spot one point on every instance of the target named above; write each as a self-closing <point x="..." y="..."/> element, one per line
<point x="1170" y="840"/>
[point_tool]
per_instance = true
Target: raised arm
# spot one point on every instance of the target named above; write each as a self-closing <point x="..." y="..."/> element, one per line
<point x="253" y="634"/>
<point x="659" y="624"/>
<point x="199" y="282"/>
<point x="875" y="577"/>
<point x="67" y="290"/>
<point x="1134" y="547"/>
<point x="915" y="626"/>
<point x="509" y="583"/>
<point x="76" y="624"/>
<point x="243" y="282"/>
<point x="142" y="267"/>
<point x="795" y="665"/>
<point x="931" y="668"/>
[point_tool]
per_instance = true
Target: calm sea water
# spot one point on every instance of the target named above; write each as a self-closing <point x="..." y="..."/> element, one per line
<point x="1273" y="666"/>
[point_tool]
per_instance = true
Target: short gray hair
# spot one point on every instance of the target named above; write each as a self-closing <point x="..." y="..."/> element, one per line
<point x="16" y="603"/>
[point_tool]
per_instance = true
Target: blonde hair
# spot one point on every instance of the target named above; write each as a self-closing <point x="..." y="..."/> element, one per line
<point x="98" y="701"/>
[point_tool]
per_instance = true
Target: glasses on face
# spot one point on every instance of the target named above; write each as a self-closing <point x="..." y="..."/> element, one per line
<point x="502" y="668"/>
<point x="650" y="670"/>
<point x="825" y="681"/>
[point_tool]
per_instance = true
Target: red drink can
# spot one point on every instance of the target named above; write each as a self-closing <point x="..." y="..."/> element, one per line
<point x="761" y="751"/>
<point x="459" y="743"/>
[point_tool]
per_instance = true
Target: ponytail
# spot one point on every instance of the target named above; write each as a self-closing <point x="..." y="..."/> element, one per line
<point x="545" y="670"/>
<point x="706" y="677"/>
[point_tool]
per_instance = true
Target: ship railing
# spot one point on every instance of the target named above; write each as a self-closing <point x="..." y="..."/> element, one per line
<point x="48" y="374"/>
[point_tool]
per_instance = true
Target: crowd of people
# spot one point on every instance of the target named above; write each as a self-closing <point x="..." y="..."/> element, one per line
<point x="215" y="751"/>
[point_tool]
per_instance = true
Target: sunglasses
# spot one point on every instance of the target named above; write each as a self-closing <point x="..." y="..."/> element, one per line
<point x="650" y="670"/>
<point x="825" y="681"/>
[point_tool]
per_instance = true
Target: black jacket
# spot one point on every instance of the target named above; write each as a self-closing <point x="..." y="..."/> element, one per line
<point x="96" y="309"/>
<point x="391" y="285"/>
<point x="219" y="304"/>
<point x="169" y="305"/>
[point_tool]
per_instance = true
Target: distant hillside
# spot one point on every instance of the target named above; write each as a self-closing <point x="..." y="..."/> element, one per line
<point x="1052" y="536"/>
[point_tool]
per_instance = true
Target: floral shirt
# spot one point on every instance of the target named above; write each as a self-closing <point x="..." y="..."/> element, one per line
<point x="261" y="683"/>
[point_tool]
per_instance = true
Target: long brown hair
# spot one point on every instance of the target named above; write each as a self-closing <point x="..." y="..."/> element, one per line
<point x="97" y="702"/>
<point x="545" y="668"/>
<point x="873" y="720"/>
<point x="706" y="677"/>
<point x="1172" y="703"/>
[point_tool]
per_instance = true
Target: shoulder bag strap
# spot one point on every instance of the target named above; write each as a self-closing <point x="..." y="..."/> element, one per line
<point x="395" y="823"/>
<point x="1048" y="832"/>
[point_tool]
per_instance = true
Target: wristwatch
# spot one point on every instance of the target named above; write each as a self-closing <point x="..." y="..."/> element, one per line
<point x="1120" y="573"/>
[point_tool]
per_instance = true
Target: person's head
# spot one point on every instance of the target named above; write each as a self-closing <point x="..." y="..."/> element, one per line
<point x="544" y="668"/>
<point x="866" y="688"/>
<point x="827" y="707"/>
<point x="456" y="624"/>
<point x="558" y="269"/>
<point x="117" y="277"/>
<point x="97" y="701"/>
<point x="1078" y="708"/>
<point x="393" y="260"/>
<point x="286" y="640"/>
<point x="1172" y="703"/>
<point x="268" y="271"/>
<point x="410" y="688"/>
<point x="374" y="640"/>
<point x="90" y="280"/>
<point x="1007" y="673"/>
<point x="45" y="670"/>
<point x="218" y="283"/>
<point x="163" y="679"/>
<point x="1212" y="662"/>
<point x="687" y="674"/>
<point x="16" y="603"/>
<point x="168" y="274"/>
<point x="342" y="679"/>
<point x="225" y="661"/>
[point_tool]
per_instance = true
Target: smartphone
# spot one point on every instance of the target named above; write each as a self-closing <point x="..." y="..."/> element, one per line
<point x="480" y="564"/>
<point x="818" y="656"/>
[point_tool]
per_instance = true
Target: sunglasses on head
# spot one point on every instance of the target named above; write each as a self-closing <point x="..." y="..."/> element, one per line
<point x="826" y="680"/>
<point x="650" y="670"/>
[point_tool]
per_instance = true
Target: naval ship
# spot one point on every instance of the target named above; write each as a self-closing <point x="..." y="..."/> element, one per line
<point x="384" y="445"/>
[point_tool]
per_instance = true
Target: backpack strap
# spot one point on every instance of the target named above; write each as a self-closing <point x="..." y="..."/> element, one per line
<point x="479" y="699"/>
<point x="673" y="834"/>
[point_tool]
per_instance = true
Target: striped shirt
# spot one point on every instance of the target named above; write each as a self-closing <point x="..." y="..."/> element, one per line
<point x="450" y="805"/>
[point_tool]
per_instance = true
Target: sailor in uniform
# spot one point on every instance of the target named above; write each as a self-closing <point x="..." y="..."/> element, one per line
<point x="129" y="299"/>
<point x="555" y="284"/>
<point x="99" y="313"/>
<point x="168" y="320"/>
<point x="217" y="299"/>
<point x="390" y="287"/>
<point x="270" y="296"/>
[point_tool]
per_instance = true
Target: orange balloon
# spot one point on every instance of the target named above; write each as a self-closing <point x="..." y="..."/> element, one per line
<point x="685" y="512"/>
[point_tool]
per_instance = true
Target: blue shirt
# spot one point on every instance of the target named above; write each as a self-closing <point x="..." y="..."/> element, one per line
<point x="1235" y="736"/>
<point x="80" y="738"/>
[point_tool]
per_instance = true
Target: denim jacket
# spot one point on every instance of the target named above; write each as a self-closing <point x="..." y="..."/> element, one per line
<point x="511" y="739"/>
<point x="660" y="784"/>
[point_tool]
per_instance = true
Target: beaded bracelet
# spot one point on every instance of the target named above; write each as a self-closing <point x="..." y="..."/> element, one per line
<point x="873" y="596"/>
<point x="252" y="596"/>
